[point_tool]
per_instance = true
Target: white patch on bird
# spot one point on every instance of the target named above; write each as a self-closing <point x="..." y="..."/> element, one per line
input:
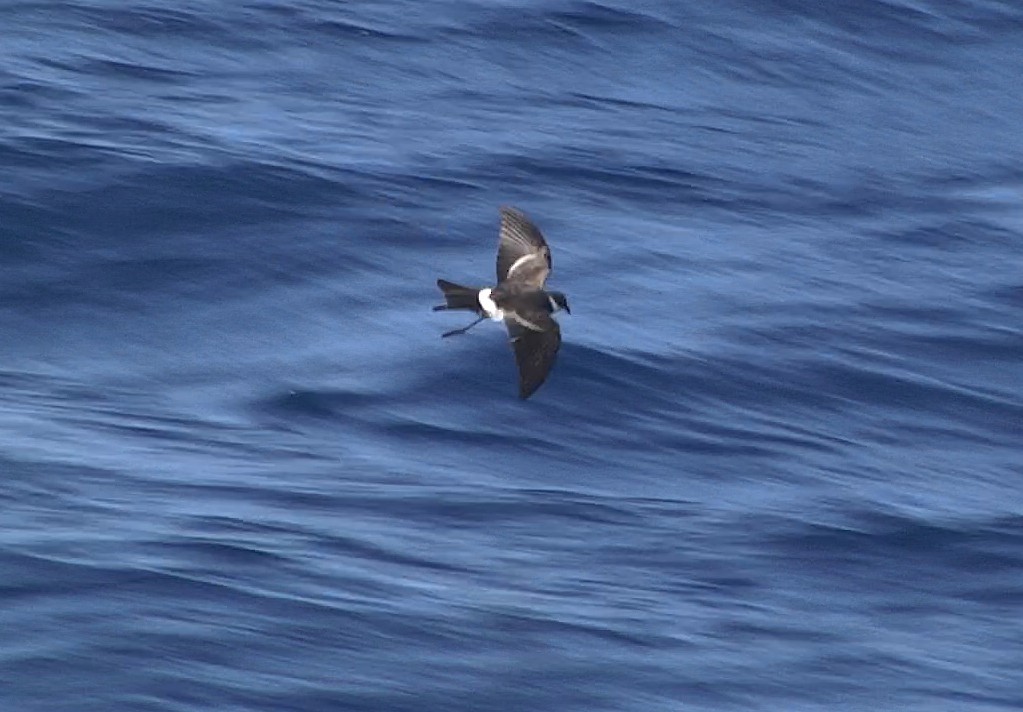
<point x="518" y="263"/>
<point x="554" y="305"/>
<point x="525" y="322"/>
<point x="489" y="305"/>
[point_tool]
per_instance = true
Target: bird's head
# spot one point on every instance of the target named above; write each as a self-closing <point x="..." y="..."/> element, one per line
<point x="559" y="301"/>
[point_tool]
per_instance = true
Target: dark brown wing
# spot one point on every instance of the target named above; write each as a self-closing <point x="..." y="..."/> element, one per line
<point x="535" y="352"/>
<point x="522" y="253"/>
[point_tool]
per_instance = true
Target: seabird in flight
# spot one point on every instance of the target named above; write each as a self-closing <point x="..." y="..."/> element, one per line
<point x="518" y="299"/>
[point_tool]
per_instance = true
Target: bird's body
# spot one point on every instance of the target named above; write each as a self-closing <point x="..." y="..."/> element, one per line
<point x="518" y="299"/>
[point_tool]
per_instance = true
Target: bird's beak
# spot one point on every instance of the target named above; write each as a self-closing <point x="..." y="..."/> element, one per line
<point x="567" y="309"/>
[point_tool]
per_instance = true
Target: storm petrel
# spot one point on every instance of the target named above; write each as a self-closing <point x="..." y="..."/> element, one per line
<point x="519" y="299"/>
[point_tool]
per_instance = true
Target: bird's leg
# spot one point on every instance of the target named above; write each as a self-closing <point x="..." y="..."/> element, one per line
<point x="464" y="329"/>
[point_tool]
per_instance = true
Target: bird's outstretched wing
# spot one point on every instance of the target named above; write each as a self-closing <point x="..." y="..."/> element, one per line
<point x="535" y="350"/>
<point x="522" y="253"/>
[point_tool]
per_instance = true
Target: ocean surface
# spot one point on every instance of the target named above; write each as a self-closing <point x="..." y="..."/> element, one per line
<point x="779" y="463"/>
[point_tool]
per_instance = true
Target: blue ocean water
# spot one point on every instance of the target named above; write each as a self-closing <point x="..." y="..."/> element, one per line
<point x="777" y="467"/>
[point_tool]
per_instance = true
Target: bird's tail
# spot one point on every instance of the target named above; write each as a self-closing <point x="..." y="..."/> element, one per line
<point x="458" y="297"/>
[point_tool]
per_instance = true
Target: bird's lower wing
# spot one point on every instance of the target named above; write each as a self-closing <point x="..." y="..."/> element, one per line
<point x="535" y="352"/>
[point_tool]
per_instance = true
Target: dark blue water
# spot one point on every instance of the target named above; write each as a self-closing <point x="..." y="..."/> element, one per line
<point x="779" y="465"/>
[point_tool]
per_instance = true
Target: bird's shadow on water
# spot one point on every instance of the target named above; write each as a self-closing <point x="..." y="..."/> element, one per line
<point x="479" y="381"/>
<point x="594" y="383"/>
<point x="597" y="404"/>
<point x="312" y="404"/>
<point x="483" y="375"/>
